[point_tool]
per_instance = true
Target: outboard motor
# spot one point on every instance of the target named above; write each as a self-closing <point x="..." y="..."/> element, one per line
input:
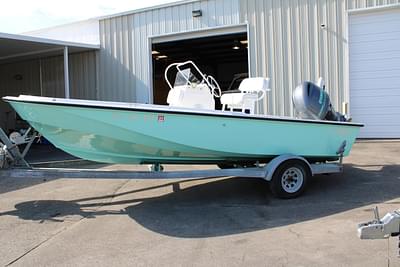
<point x="313" y="102"/>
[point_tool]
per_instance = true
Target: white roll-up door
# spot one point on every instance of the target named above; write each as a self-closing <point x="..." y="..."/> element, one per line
<point x="374" y="43"/>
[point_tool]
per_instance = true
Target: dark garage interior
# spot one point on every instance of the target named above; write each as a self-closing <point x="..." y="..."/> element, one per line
<point x="222" y="57"/>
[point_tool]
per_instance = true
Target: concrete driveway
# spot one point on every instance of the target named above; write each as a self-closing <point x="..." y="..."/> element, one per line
<point x="215" y="222"/>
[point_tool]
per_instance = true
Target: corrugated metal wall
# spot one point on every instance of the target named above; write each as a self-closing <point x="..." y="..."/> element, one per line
<point x="125" y="50"/>
<point x="19" y="78"/>
<point x="52" y="77"/>
<point x="287" y="44"/>
<point x="24" y="78"/>
<point x="82" y="67"/>
<point x="82" y="76"/>
<point x="15" y="79"/>
<point x="354" y="4"/>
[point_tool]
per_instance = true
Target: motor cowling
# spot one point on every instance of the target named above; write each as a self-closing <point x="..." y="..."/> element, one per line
<point x="313" y="102"/>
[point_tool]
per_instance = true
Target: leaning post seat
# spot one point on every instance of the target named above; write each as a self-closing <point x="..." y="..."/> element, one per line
<point x="251" y="90"/>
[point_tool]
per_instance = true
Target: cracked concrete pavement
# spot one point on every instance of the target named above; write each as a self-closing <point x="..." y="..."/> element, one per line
<point x="213" y="222"/>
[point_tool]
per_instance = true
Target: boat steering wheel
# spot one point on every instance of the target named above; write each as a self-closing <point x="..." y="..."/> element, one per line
<point x="215" y="88"/>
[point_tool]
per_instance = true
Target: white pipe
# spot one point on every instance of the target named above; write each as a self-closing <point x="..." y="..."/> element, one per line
<point x="40" y="77"/>
<point x="66" y="72"/>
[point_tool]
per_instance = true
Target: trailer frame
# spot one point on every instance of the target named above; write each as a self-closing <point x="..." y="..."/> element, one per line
<point x="18" y="167"/>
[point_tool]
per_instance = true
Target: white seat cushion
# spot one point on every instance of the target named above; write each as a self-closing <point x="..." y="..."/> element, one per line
<point x="254" y="84"/>
<point x="251" y="91"/>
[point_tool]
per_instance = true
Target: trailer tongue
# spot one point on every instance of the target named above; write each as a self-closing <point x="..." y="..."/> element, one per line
<point x="388" y="226"/>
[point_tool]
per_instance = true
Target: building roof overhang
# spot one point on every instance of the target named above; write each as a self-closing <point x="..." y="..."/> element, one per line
<point x="15" y="47"/>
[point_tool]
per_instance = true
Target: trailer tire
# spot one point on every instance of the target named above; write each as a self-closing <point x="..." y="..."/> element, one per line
<point x="290" y="179"/>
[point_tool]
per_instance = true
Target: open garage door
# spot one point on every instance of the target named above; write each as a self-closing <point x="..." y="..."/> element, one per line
<point x="222" y="56"/>
<point x="375" y="72"/>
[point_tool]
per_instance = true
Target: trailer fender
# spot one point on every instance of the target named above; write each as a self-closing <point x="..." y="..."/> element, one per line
<point x="276" y="162"/>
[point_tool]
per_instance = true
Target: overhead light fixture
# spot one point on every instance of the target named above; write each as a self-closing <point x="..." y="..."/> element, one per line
<point x="236" y="45"/>
<point x="197" y="13"/>
<point x="155" y="52"/>
<point x="162" y="57"/>
<point x="244" y="42"/>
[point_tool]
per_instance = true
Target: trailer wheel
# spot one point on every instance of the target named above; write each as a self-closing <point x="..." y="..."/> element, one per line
<point x="290" y="179"/>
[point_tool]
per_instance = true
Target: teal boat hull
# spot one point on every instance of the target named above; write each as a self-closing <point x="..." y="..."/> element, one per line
<point x="145" y="134"/>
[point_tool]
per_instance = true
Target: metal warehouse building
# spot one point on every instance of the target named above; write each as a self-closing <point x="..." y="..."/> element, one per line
<point x="353" y="44"/>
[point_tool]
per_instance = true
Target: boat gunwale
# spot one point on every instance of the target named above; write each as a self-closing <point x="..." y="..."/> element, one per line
<point x="168" y="110"/>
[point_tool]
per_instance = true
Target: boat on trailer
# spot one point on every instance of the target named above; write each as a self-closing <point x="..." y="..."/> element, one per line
<point x="189" y="130"/>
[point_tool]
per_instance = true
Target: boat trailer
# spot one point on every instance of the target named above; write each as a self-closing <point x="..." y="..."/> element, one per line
<point x="288" y="174"/>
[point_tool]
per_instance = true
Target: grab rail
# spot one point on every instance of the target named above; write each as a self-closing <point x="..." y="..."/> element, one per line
<point x="209" y="80"/>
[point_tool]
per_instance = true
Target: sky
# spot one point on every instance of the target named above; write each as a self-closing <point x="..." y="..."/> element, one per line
<point x="18" y="16"/>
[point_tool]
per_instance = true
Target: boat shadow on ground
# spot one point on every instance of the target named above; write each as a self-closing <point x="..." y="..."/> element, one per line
<point x="229" y="206"/>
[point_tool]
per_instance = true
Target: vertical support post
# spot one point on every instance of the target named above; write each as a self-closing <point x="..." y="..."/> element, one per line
<point x="40" y="77"/>
<point x="97" y="66"/>
<point x="66" y="73"/>
<point x="151" y="74"/>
